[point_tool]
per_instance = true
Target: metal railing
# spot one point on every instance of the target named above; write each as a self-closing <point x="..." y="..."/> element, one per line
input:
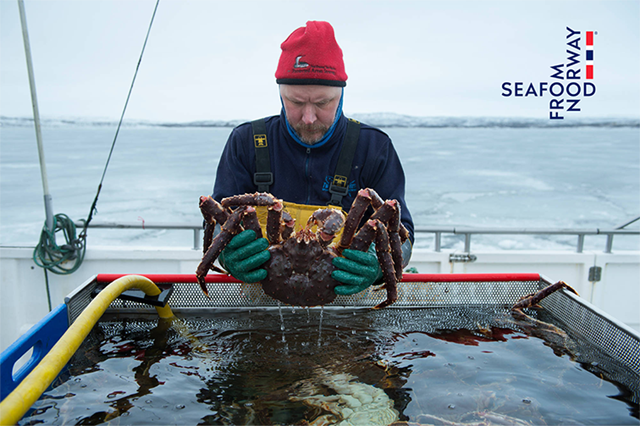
<point x="468" y="232"/>
<point x="437" y="232"/>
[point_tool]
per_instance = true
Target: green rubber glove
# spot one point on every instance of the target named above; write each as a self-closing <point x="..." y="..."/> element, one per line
<point x="243" y="256"/>
<point x="357" y="270"/>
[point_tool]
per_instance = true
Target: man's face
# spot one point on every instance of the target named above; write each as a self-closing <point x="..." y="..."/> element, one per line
<point x="310" y="109"/>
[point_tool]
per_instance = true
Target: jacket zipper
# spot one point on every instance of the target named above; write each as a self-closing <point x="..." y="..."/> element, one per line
<point x="306" y="172"/>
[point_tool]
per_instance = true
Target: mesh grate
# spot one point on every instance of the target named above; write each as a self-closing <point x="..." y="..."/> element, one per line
<point x="79" y="299"/>
<point x="595" y="327"/>
<point x="579" y="317"/>
<point x="410" y="294"/>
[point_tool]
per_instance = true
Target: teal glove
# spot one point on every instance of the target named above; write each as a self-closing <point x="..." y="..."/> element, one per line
<point x="357" y="270"/>
<point x="244" y="254"/>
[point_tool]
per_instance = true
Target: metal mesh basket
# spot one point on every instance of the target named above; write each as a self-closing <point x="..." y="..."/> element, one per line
<point x="450" y="291"/>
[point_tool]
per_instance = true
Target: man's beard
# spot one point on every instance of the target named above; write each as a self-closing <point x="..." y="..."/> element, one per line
<point x="310" y="133"/>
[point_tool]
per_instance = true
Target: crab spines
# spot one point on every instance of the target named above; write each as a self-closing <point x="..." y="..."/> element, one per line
<point x="255" y="199"/>
<point x="288" y="225"/>
<point x="250" y="221"/>
<point x="387" y="265"/>
<point x="375" y="230"/>
<point x="356" y="213"/>
<point x="209" y="230"/>
<point x="213" y="213"/>
<point x="274" y="216"/>
<point x="396" y="253"/>
<point x="389" y="213"/>
<point x="376" y="200"/>
<point x="365" y="236"/>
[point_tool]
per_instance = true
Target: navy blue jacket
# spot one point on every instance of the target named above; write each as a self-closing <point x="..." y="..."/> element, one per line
<point x="302" y="173"/>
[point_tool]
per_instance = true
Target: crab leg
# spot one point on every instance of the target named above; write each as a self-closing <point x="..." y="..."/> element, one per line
<point x="388" y="270"/>
<point x="274" y="217"/>
<point x="365" y="236"/>
<point x="534" y="298"/>
<point x="230" y="228"/>
<point x="376" y="200"/>
<point x="250" y="221"/>
<point x="260" y="199"/>
<point x="390" y="214"/>
<point x="212" y="212"/>
<point x="255" y="199"/>
<point x="356" y="213"/>
<point x="375" y="230"/>
<point x="288" y="225"/>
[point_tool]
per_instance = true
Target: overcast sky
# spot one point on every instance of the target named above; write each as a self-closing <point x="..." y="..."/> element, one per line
<point x="216" y="59"/>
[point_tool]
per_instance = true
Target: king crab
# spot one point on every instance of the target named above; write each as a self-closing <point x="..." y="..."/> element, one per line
<point x="299" y="270"/>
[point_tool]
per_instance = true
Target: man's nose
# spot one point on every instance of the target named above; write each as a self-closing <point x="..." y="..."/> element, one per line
<point x="308" y="114"/>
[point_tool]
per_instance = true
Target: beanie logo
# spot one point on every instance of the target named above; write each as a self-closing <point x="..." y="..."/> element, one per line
<point x="299" y="64"/>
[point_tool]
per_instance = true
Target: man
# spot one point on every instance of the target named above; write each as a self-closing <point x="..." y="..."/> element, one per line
<point x="298" y="161"/>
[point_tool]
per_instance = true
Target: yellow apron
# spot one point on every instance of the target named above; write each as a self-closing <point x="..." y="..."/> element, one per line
<point x="300" y="212"/>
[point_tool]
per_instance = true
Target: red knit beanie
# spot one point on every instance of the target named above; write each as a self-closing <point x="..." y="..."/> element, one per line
<point x="311" y="55"/>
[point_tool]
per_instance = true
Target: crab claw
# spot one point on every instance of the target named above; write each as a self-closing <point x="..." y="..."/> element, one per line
<point x="329" y="223"/>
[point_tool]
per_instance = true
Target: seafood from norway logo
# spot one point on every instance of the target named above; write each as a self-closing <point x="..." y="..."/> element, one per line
<point x="573" y="80"/>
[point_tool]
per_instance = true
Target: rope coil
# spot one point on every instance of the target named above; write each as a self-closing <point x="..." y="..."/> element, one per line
<point x="60" y="259"/>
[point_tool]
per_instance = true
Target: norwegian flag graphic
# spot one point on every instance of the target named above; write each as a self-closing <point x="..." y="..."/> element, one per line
<point x="589" y="55"/>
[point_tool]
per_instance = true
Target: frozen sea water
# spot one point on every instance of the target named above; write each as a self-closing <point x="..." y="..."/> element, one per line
<point x="576" y="177"/>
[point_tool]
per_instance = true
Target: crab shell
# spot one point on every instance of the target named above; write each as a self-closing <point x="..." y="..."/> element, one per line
<point x="300" y="273"/>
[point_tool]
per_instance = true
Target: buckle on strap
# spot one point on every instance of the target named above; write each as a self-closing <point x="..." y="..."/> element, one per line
<point x="337" y="193"/>
<point x="338" y="190"/>
<point x="263" y="178"/>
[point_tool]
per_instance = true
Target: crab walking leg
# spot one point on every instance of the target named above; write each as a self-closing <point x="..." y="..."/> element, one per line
<point x="376" y="200"/>
<point x="386" y="263"/>
<point x="395" y="241"/>
<point x="375" y="230"/>
<point x="250" y="221"/>
<point x="287" y="226"/>
<point x="212" y="212"/>
<point x="274" y="218"/>
<point x="230" y="228"/>
<point x="358" y="208"/>
<point x="396" y="253"/>
<point x="255" y="199"/>
<point x="389" y="213"/>
<point x="534" y="298"/>
<point x="365" y="236"/>
<point x="209" y="229"/>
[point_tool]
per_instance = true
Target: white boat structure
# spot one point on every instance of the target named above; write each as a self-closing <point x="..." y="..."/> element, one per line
<point x="607" y="279"/>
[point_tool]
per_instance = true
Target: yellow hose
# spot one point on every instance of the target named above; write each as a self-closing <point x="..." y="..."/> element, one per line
<point x="16" y="404"/>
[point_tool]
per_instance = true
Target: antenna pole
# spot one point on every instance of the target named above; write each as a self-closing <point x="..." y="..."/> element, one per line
<point x="36" y="118"/>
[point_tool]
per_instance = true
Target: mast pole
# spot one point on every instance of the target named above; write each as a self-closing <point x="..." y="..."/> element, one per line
<point x="36" y="118"/>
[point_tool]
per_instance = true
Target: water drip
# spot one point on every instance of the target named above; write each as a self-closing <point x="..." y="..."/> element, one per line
<point x="320" y="324"/>
<point x="282" y="328"/>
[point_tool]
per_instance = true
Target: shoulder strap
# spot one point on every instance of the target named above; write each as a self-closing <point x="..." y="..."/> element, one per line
<point x="340" y="186"/>
<point x="263" y="177"/>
